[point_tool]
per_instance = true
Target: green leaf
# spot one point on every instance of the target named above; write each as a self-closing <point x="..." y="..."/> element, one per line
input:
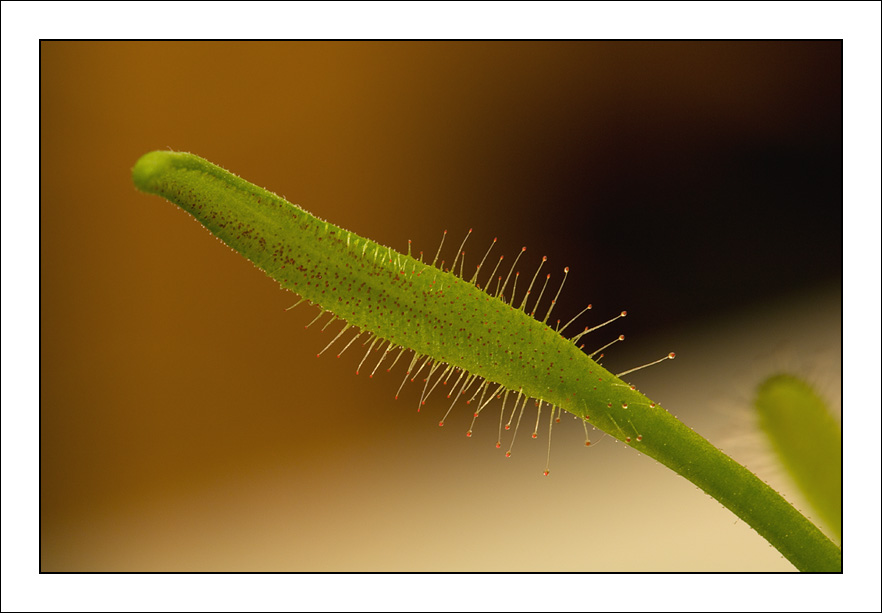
<point x="808" y="441"/>
<point x="406" y="304"/>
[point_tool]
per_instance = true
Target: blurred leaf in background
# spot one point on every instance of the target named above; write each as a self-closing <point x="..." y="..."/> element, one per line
<point x="807" y="439"/>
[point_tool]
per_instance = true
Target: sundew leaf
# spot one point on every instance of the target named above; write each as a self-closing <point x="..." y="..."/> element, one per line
<point x="450" y="322"/>
<point x="808" y="441"/>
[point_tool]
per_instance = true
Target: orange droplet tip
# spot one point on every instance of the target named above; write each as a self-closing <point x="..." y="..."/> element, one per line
<point x="566" y="269"/>
<point x="318" y="355"/>
<point x="534" y="435"/>
<point x="507" y="427"/>
<point x="440" y="424"/>
<point x="498" y="444"/>
<point x="587" y="443"/>
<point x="624" y="313"/>
<point x="546" y="473"/>
<point x="672" y="355"/>
<point x="627" y="439"/>
<point x="544" y="258"/>
<point x="639" y="437"/>
<point x="621" y="337"/>
<point x="508" y="454"/>
<point x="469" y="433"/>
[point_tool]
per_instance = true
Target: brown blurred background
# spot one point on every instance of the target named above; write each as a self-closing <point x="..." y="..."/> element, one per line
<point x="185" y="422"/>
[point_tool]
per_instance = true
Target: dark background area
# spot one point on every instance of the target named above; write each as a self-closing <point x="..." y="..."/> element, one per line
<point x="185" y="422"/>
<point x="693" y="177"/>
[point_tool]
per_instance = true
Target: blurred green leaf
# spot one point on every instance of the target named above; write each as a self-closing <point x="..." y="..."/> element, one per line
<point x="808" y="441"/>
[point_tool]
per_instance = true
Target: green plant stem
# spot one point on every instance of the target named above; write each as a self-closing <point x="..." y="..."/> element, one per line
<point x="413" y="305"/>
<point x="738" y="489"/>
